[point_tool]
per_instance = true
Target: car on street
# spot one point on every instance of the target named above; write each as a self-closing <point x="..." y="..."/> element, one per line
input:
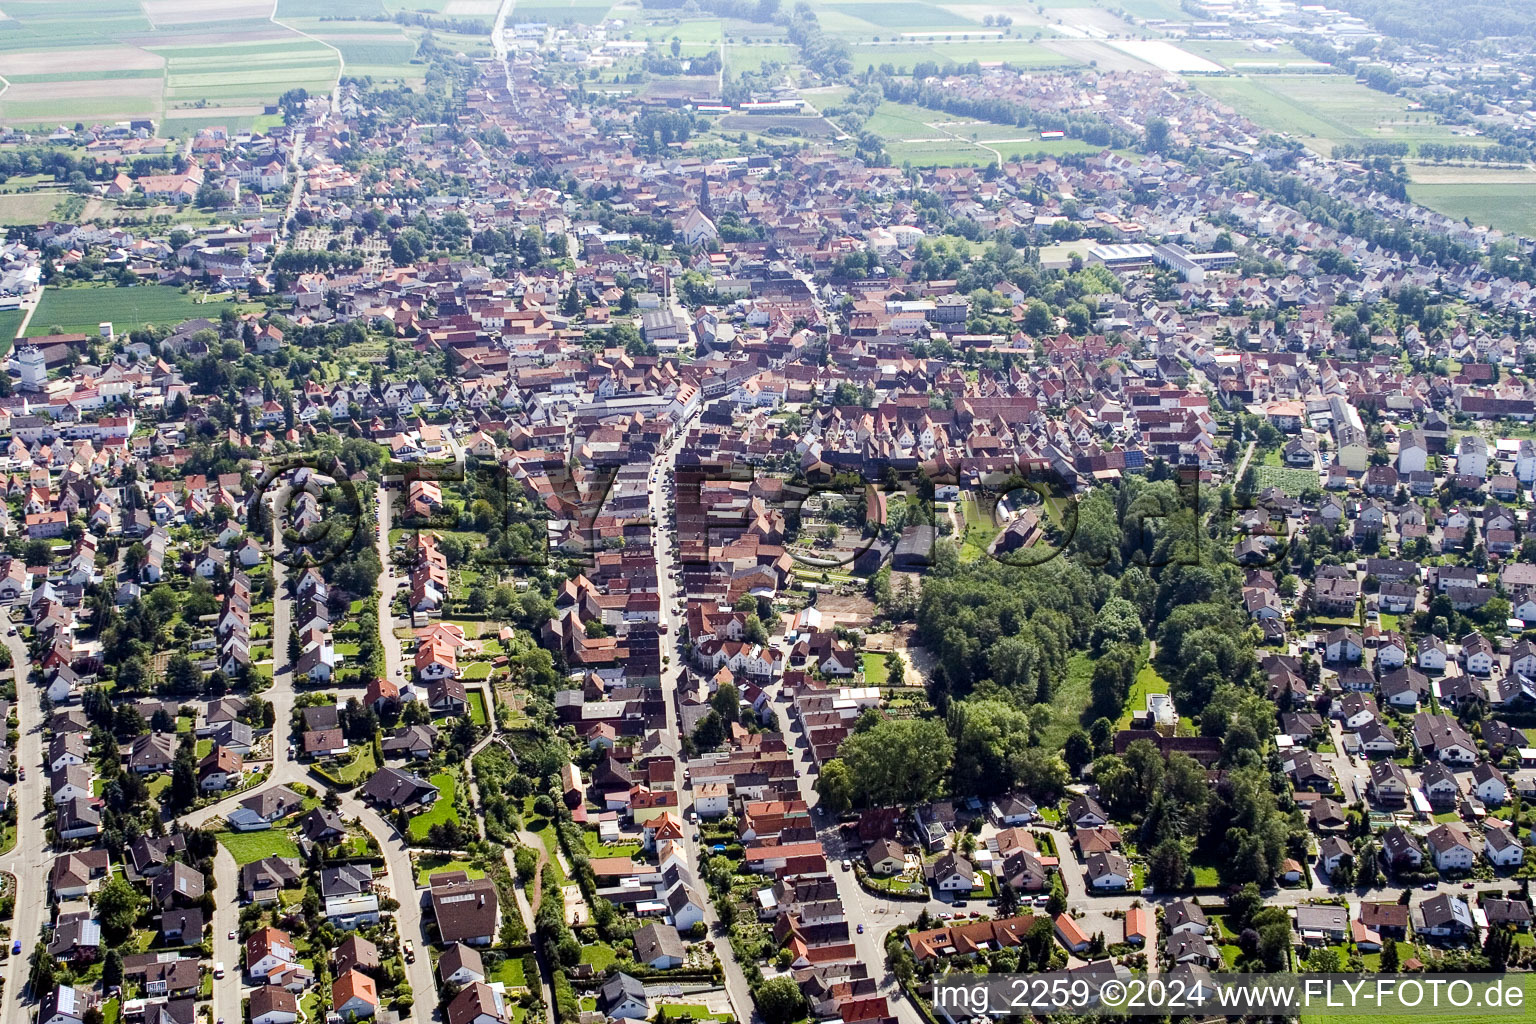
<point x="218" y="969"/>
<point x="231" y="933"/>
<point x="21" y="772"/>
<point x="847" y="864"/>
<point x="1146" y="890"/>
<point x="1428" y="887"/>
<point x="15" y="946"/>
<point x="861" y="929"/>
<point x="410" y="952"/>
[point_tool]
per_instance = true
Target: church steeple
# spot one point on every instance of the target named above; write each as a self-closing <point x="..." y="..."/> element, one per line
<point x="704" y="193"/>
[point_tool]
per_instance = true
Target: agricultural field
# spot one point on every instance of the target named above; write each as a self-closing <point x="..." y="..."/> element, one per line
<point x="903" y="55"/>
<point x="29" y="207"/>
<point x="79" y="310"/>
<point x="1508" y="206"/>
<point x="925" y="137"/>
<point x="558" y="12"/>
<point x="170" y="60"/>
<point x="1238" y="55"/>
<point x="1325" y="110"/>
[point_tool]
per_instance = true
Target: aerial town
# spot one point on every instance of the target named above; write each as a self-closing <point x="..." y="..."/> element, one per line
<point x="594" y="536"/>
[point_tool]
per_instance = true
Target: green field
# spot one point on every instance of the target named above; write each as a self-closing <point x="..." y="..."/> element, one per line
<point x="443" y="810"/>
<point x="875" y="673"/>
<point x="1291" y="481"/>
<point x="10" y="323"/>
<point x="1234" y="53"/>
<point x="925" y="137"/>
<point x="1508" y="207"/>
<point x="1324" y="110"/>
<point x="80" y="310"/>
<point x="249" y="847"/>
<point x="903" y="56"/>
<point x="900" y="16"/>
<point x="28" y="207"/>
<point x="750" y="57"/>
<point x="1471" y="1015"/>
<point x="582" y="12"/>
<point x="1070" y="702"/>
<point x="138" y="58"/>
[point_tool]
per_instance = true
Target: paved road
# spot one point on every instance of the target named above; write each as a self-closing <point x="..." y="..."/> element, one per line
<point x="287" y="771"/>
<point x="879" y="916"/>
<point x="665" y="541"/>
<point x="32" y="858"/>
<point x="226" y="951"/>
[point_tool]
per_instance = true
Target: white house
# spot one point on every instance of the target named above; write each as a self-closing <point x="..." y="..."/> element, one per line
<point x="1452" y="848"/>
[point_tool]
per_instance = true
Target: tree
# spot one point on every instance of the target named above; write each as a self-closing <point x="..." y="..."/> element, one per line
<point x="1077" y="750"/>
<point x="1497" y="947"/>
<point x="780" y="1001"/>
<point x="1389" y="957"/>
<point x="898" y="761"/>
<point x="727" y="702"/>
<point x="112" y="969"/>
<point x="1168" y="865"/>
<point x="181" y="675"/>
<point x="1037" y="318"/>
<point x="1057" y="901"/>
<point x="44" y="970"/>
<point x="709" y="733"/>
<point x="834" y="784"/>
<point x="1007" y="900"/>
<point x="117" y="908"/>
<point x="1157" y="135"/>
<point x="1344" y="874"/>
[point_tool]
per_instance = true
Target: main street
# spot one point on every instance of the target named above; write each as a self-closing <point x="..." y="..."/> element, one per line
<point x="664" y="538"/>
<point x="31" y="858"/>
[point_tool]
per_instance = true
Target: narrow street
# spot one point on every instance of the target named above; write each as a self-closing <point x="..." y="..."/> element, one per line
<point x="665" y="541"/>
<point x="32" y="858"/>
<point x="287" y="771"/>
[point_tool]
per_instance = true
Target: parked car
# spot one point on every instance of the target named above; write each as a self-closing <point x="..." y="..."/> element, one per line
<point x="410" y="952"/>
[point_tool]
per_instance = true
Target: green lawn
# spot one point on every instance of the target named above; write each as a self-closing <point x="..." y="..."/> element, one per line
<point x="1148" y="681"/>
<point x="597" y="848"/>
<point x="1071" y="701"/>
<point x="477" y="713"/>
<point x="980" y="530"/>
<point x="360" y="767"/>
<point x="248" y="847"/>
<point x="599" y="955"/>
<point x="510" y="973"/>
<point x="443" y="810"/>
<point x="79" y="310"/>
<point x="428" y="866"/>
<point x="874" y="669"/>
<point x="545" y="830"/>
